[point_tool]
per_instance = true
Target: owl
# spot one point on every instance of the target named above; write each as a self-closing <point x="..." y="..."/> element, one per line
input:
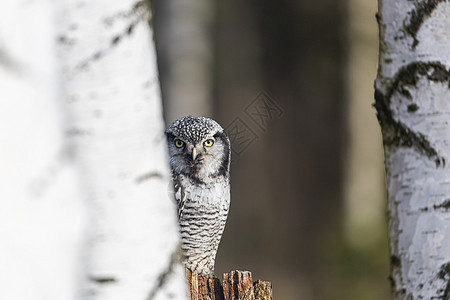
<point x="199" y="156"/>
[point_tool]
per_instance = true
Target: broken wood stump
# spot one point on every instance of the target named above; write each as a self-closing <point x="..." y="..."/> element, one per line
<point x="237" y="285"/>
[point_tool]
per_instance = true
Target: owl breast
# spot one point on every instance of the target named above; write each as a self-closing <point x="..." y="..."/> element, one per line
<point x="203" y="211"/>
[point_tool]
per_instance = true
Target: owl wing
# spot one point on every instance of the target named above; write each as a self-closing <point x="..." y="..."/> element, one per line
<point x="180" y="196"/>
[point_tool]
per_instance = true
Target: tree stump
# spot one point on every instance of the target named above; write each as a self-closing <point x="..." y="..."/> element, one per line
<point x="237" y="285"/>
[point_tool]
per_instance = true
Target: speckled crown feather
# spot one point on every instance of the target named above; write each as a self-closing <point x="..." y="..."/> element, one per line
<point x="193" y="129"/>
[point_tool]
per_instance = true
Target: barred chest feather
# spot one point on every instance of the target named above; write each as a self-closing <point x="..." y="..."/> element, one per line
<point x="202" y="210"/>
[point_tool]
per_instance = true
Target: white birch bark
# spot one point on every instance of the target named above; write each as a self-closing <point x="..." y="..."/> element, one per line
<point x="413" y="104"/>
<point x="42" y="220"/>
<point x="86" y="210"/>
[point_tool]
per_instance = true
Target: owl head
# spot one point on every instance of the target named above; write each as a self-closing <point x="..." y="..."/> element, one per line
<point x="198" y="148"/>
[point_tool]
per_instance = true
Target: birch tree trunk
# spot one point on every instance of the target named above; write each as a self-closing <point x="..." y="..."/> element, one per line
<point x="85" y="210"/>
<point x="412" y="98"/>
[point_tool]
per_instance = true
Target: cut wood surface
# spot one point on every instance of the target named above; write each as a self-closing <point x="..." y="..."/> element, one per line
<point x="236" y="285"/>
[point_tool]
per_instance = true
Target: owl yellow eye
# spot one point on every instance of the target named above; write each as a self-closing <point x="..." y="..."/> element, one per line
<point x="208" y="143"/>
<point x="179" y="143"/>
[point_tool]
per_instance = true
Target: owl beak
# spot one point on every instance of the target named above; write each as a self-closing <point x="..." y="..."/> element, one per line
<point x="194" y="154"/>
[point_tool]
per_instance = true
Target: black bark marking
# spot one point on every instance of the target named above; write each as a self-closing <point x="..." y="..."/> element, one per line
<point x="164" y="275"/>
<point x="114" y="42"/>
<point x="421" y="12"/>
<point x="7" y="61"/>
<point x="444" y="205"/>
<point x="444" y="271"/>
<point x="77" y="132"/>
<point x="128" y="31"/>
<point x="412" y="108"/>
<point x="395" y="133"/>
<point x="398" y="134"/>
<point x="140" y="8"/>
<point x="392" y="282"/>
<point x="52" y="171"/>
<point x="378" y="18"/>
<point x="64" y="39"/>
<point x="148" y="176"/>
<point x="444" y="274"/>
<point x="395" y="266"/>
<point x="395" y="261"/>
<point x="130" y="28"/>
<point x="103" y="280"/>
<point x="139" y="12"/>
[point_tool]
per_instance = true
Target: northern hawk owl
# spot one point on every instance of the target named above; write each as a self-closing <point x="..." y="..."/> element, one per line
<point x="199" y="153"/>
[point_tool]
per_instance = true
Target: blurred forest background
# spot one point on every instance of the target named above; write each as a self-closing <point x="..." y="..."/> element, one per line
<point x="308" y="196"/>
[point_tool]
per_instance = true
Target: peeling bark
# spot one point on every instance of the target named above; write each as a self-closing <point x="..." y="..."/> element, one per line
<point x="412" y="93"/>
